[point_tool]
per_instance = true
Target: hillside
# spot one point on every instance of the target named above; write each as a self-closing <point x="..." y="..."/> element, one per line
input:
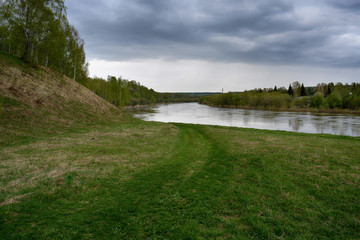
<point x="36" y="99"/>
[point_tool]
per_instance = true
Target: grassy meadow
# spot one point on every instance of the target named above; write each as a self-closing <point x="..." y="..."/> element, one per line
<point x="144" y="180"/>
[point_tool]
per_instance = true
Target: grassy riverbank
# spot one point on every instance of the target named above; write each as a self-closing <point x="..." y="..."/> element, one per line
<point x="72" y="166"/>
<point x="137" y="180"/>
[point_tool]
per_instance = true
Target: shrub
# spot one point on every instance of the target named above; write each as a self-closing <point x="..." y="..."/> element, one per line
<point x="302" y="102"/>
<point x="352" y="102"/>
<point x="334" y="100"/>
<point x="254" y="100"/>
<point x="317" y="100"/>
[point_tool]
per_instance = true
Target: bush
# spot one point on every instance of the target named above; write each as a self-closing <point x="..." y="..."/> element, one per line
<point x="302" y="102"/>
<point x="317" y="100"/>
<point x="334" y="100"/>
<point x="254" y="100"/>
<point x="352" y="102"/>
<point x="133" y="102"/>
<point x="356" y="103"/>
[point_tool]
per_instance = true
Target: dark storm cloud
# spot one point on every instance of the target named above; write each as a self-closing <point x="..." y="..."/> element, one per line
<point x="271" y="32"/>
<point x="352" y="5"/>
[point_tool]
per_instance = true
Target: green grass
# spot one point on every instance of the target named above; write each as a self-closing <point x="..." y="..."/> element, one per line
<point x="21" y="123"/>
<point x="145" y="180"/>
<point x="10" y="59"/>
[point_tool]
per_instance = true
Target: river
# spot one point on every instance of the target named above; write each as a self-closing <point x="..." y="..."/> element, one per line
<point x="288" y="121"/>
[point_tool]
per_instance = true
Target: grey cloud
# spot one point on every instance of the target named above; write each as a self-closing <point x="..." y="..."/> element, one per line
<point x="353" y="5"/>
<point x="270" y="32"/>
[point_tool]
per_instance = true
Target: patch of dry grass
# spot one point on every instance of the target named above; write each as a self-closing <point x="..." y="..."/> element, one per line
<point x="95" y="153"/>
<point x="47" y="89"/>
<point x="37" y="100"/>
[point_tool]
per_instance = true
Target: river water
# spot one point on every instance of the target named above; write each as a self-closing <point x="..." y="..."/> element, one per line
<point x="288" y="121"/>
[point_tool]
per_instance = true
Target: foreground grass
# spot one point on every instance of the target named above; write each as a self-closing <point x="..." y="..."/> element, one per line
<point x="144" y="180"/>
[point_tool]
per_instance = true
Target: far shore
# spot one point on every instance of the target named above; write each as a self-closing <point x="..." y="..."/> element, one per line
<point x="312" y="110"/>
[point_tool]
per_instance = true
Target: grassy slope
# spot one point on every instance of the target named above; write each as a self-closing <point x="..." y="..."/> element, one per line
<point x="37" y="100"/>
<point x="134" y="180"/>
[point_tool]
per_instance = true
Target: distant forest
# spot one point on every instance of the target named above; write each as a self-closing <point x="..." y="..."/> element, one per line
<point x="122" y="92"/>
<point x="322" y="97"/>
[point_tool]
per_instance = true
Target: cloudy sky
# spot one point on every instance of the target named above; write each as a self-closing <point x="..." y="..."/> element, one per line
<point x="207" y="45"/>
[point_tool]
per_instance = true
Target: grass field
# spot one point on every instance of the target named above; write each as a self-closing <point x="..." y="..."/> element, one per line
<point x="144" y="180"/>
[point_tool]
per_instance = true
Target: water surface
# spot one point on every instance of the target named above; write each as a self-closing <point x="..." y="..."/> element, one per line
<point x="289" y="121"/>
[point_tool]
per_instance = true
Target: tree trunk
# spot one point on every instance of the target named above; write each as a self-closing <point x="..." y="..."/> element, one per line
<point x="27" y="35"/>
<point x="120" y="95"/>
<point x="26" y="51"/>
<point x="32" y="53"/>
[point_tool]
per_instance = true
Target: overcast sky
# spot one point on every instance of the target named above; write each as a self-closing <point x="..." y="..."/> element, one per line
<point x="207" y="45"/>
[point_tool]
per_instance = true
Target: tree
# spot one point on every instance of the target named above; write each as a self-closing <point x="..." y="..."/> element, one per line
<point x="323" y="88"/>
<point x="38" y="32"/>
<point x="296" y="88"/>
<point x="30" y="21"/>
<point x="77" y="53"/>
<point x="355" y="88"/>
<point x="303" y="91"/>
<point x="290" y="91"/>
<point x="330" y="88"/>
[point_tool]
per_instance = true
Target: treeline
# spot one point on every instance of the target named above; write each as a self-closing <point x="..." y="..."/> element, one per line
<point x="177" y="98"/>
<point x="324" y="96"/>
<point x="122" y="92"/>
<point x="38" y="32"/>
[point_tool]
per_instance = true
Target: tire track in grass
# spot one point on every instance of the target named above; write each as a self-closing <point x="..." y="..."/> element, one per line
<point x="165" y="201"/>
<point x="152" y="203"/>
<point x="133" y="209"/>
<point x="179" y="197"/>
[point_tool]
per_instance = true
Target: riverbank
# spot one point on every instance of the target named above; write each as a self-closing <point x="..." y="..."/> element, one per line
<point x="194" y="113"/>
<point x="312" y="110"/>
<point x="129" y="107"/>
<point x="134" y="179"/>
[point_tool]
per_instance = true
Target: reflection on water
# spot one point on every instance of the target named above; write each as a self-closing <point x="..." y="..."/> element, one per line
<point x="295" y="124"/>
<point x="288" y="121"/>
